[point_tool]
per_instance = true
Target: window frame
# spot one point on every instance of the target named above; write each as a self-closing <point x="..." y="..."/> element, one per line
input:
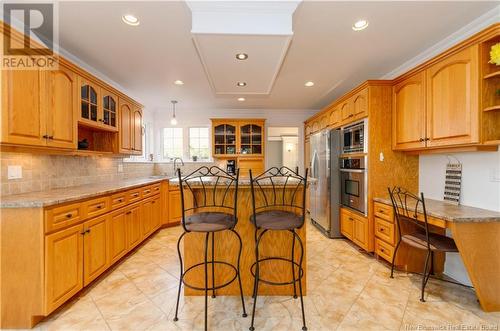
<point x="209" y="158"/>
<point x="162" y="137"/>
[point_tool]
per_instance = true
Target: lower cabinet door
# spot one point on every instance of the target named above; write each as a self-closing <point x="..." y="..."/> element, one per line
<point x="96" y="252"/>
<point x="174" y="206"/>
<point x="360" y="233"/>
<point x="117" y="235"/>
<point x="346" y="223"/>
<point x="156" y="214"/>
<point x="134" y="231"/>
<point x="147" y="216"/>
<point x="63" y="266"/>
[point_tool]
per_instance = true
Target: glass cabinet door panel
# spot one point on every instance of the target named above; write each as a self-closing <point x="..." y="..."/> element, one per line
<point x="219" y="149"/>
<point x="93" y="95"/>
<point x="256" y="149"/>
<point x="230" y="129"/>
<point x="219" y="139"/>
<point x="219" y="129"/>
<point x="256" y="129"/>
<point x="93" y="112"/>
<point x="231" y="139"/>
<point x="85" y="110"/>
<point x="230" y="149"/>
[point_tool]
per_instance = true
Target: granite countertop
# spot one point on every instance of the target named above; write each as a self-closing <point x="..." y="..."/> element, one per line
<point x="452" y="213"/>
<point x="68" y="194"/>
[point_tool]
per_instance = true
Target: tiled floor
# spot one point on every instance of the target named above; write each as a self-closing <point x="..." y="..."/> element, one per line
<point x="348" y="290"/>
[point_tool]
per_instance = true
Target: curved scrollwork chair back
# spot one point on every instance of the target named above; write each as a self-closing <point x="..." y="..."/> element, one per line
<point x="215" y="189"/>
<point x="279" y="188"/>
<point x="406" y="207"/>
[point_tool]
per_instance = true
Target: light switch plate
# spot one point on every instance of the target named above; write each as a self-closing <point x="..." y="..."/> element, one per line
<point x="14" y="172"/>
<point x="120" y="168"/>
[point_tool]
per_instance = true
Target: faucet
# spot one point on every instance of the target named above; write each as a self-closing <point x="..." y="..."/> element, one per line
<point x="175" y="163"/>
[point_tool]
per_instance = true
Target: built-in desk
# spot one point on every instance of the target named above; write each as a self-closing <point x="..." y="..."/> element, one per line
<point x="477" y="235"/>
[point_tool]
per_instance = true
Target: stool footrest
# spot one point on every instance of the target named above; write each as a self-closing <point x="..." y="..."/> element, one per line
<point x="214" y="287"/>
<point x="300" y="274"/>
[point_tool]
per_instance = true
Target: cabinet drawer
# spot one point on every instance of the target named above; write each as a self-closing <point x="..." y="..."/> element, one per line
<point x="384" y="250"/>
<point x="155" y="188"/>
<point x="147" y="191"/>
<point x="95" y="207"/>
<point x="346" y="223"/>
<point x="62" y="216"/>
<point x="118" y="200"/>
<point x="385" y="230"/>
<point x="134" y="195"/>
<point x="383" y="211"/>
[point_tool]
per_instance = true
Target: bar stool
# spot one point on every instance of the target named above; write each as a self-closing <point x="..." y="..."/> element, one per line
<point x="406" y="207"/>
<point x="210" y="189"/>
<point x="278" y="205"/>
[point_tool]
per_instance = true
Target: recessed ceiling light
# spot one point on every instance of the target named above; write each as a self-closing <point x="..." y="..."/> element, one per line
<point x="360" y="25"/>
<point x="242" y="56"/>
<point x="241" y="84"/>
<point x="130" y="20"/>
<point x="241" y="99"/>
<point x="309" y="84"/>
<point x="179" y="82"/>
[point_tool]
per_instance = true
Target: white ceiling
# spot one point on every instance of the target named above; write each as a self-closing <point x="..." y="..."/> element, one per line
<point x="148" y="58"/>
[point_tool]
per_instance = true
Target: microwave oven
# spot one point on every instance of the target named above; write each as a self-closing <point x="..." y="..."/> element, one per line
<point x="354" y="138"/>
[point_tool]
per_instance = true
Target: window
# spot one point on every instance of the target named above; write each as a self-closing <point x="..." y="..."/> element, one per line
<point x="199" y="144"/>
<point x="172" y="143"/>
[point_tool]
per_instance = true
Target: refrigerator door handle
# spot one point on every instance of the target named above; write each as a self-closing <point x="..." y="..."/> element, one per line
<point x="314" y="164"/>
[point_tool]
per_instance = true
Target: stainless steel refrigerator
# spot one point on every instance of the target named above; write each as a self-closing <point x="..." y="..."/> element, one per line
<point x="324" y="188"/>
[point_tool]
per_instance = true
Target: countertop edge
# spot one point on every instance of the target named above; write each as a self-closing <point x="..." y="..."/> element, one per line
<point x="41" y="203"/>
<point x="479" y="219"/>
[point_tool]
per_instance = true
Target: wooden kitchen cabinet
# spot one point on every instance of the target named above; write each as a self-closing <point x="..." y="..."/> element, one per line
<point x="95" y="247"/>
<point x="452" y="99"/>
<point x="137" y="130"/>
<point x="335" y="117"/>
<point x="90" y="103"/>
<point x="134" y="231"/>
<point x="360" y="104"/>
<point x="346" y="110"/>
<point x="147" y="218"/>
<point x="346" y="223"/>
<point x="62" y="101"/>
<point x="23" y="115"/>
<point x="109" y="110"/>
<point x="408" y="121"/>
<point x="118" y="235"/>
<point x="174" y="206"/>
<point x="63" y="265"/>
<point x="38" y="108"/>
<point x="156" y="213"/>
<point x="125" y="132"/>
<point x="360" y="230"/>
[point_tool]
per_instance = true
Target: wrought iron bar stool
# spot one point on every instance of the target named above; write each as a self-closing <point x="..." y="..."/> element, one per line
<point x="406" y="207"/>
<point x="209" y="189"/>
<point x="278" y="201"/>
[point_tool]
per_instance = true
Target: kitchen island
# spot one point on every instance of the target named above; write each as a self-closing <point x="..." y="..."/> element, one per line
<point x="274" y="243"/>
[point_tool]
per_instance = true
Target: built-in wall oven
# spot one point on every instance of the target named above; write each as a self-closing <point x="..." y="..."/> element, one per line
<point x="353" y="182"/>
<point x="354" y="138"/>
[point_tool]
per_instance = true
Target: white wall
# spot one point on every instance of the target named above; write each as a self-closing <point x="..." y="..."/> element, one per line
<point x="480" y="188"/>
<point x="274" y="117"/>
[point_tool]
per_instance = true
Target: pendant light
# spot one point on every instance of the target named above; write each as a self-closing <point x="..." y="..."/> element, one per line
<point x="173" y="120"/>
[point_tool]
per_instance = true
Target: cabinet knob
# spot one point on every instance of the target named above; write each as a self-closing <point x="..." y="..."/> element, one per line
<point x="427" y="139"/>
<point x="351" y="115"/>
<point x="381" y="229"/>
<point x="381" y="211"/>
<point x="45" y="137"/>
<point x="99" y="206"/>
<point x="120" y="200"/>
<point x="128" y="213"/>
<point x="421" y="140"/>
<point x="69" y="215"/>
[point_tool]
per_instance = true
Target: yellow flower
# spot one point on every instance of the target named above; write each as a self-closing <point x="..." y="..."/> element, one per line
<point x="495" y="54"/>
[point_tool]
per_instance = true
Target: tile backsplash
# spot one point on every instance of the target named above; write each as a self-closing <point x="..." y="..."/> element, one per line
<point x="45" y="172"/>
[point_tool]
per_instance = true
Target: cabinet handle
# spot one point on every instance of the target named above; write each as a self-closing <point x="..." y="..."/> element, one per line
<point x="45" y="137"/>
<point x="98" y="206"/>
<point x="350" y="219"/>
<point x="120" y="200"/>
<point x="427" y="139"/>
<point x="381" y="211"/>
<point x="135" y="195"/>
<point x="128" y="213"/>
<point x="147" y="191"/>
<point x="381" y="229"/>
<point x="421" y="140"/>
<point x="82" y="233"/>
<point x="100" y="120"/>
<point x="88" y="231"/>
<point x="51" y="137"/>
<point x="382" y="250"/>
<point x="69" y="215"/>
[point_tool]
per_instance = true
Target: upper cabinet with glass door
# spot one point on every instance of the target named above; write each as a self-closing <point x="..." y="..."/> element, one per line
<point x="251" y="138"/>
<point x="98" y="107"/>
<point x="224" y="138"/>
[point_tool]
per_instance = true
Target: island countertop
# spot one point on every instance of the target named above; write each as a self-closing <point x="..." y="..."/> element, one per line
<point x="68" y="194"/>
<point x="452" y="213"/>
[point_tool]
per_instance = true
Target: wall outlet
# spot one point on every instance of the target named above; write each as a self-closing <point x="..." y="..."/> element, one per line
<point x="14" y="172"/>
<point x="120" y="168"/>
<point x="381" y="157"/>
